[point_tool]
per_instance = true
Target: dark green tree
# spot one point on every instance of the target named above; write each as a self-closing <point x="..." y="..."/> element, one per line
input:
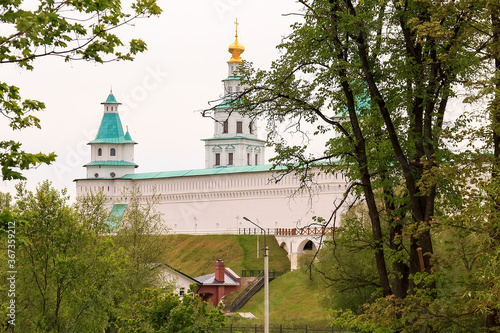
<point x="378" y="77"/>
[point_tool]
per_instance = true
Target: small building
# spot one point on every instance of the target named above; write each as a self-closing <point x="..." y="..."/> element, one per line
<point x="219" y="284"/>
<point x="181" y="281"/>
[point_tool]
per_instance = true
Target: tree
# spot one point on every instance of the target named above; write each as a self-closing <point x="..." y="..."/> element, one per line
<point x="142" y="236"/>
<point x="93" y="212"/>
<point x="379" y="76"/>
<point x="345" y="268"/>
<point x="73" y="30"/>
<point x="168" y="312"/>
<point x="5" y="215"/>
<point x="73" y="273"/>
<point x="67" y="276"/>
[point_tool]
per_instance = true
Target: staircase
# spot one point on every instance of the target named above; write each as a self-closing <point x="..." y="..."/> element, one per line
<point x="247" y="293"/>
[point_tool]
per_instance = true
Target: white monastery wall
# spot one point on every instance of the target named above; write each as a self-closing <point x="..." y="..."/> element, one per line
<point x="215" y="199"/>
<point x="217" y="203"/>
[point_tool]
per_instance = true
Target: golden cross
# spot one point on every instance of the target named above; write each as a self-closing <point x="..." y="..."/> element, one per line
<point x="236" y="23"/>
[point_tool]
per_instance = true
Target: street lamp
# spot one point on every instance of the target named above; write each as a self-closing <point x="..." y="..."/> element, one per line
<point x="266" y="278"/>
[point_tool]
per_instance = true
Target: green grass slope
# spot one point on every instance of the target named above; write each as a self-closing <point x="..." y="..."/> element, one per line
<point x="196" y="255"/>
<point x="293" y="299"/>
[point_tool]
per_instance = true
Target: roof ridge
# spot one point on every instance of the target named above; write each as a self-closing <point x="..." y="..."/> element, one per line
<point x="202" y="172"/>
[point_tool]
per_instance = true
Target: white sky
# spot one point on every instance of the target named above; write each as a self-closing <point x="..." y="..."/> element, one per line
<point x="161" y="91"/>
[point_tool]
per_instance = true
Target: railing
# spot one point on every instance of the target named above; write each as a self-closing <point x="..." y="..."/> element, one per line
<point x="199" y="231"/>
<point x="302" y="231"/>
<point x="278" y="328"/>
<point x="256" y="272"/>
<point x="255" y="231"/>
<point x="246" y="293"/>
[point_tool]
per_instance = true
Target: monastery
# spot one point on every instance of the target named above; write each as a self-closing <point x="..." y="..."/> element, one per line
<point x="235" y="183"/>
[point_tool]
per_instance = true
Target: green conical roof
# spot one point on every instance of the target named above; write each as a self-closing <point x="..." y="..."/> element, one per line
<point x="111" y="130"/>
<point x="111" y="99"/>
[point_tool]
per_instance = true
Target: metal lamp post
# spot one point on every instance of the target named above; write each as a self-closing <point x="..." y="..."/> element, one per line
<point x="266" y="278"/>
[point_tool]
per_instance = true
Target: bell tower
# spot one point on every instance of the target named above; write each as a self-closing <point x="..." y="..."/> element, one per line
<point x="235" y="141"/>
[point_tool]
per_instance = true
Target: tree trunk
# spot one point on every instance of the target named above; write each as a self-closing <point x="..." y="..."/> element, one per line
<point x="400" y="269"/>
<point x="492" y="319"/>
<point x="360" y="149"/>
<point x="495" y="23"/>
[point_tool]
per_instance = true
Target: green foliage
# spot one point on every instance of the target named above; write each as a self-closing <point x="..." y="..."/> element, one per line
<point x="47" y="29"/>
<point x="168" y="312"/>
<point x="12" y="157"/>
<point x="74" y="30"/>
<point x="5" y="201"/>
<point x="348" y="275"/>
<point x="140" y="239"/>
<point x="71" y="276"/>
<point x="67" y="276"/>
<point x="92" y="212"/>
<point x="140" y="236"/>
<point x="377" y="78"/>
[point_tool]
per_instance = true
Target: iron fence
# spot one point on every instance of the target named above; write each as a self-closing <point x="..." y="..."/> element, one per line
<point x="255" y="231"/>
<point x="256" y="272"/>
<point x="279" y="329"/>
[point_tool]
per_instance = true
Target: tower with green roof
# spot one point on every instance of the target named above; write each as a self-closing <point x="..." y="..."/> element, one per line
<point x="235" y="141"/>
<point x="112" y="151"/>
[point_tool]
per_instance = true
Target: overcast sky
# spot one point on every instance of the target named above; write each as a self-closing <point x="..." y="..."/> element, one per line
<point x="162" y="91"/>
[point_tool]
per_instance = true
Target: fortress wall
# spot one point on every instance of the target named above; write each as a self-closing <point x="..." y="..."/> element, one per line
<point x="217" y="203"/>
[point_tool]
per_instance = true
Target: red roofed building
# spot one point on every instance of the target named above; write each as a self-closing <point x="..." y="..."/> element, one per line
<point x="216" y="285"/>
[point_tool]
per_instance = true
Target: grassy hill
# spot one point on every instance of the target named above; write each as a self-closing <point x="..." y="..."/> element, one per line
<point x="196" y="255"/>
<point x="293" y="299"/>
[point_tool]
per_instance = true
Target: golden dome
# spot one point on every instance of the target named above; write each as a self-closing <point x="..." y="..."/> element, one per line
<point x="236" y="48"/>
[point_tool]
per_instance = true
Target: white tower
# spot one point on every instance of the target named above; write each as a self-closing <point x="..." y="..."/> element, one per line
<point x="112" y="152"/>
<point x="235" y="141"/>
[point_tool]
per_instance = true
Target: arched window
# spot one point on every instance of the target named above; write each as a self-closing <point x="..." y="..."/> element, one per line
<point x="99" y="152"/>
<point x="112" y="152"/>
